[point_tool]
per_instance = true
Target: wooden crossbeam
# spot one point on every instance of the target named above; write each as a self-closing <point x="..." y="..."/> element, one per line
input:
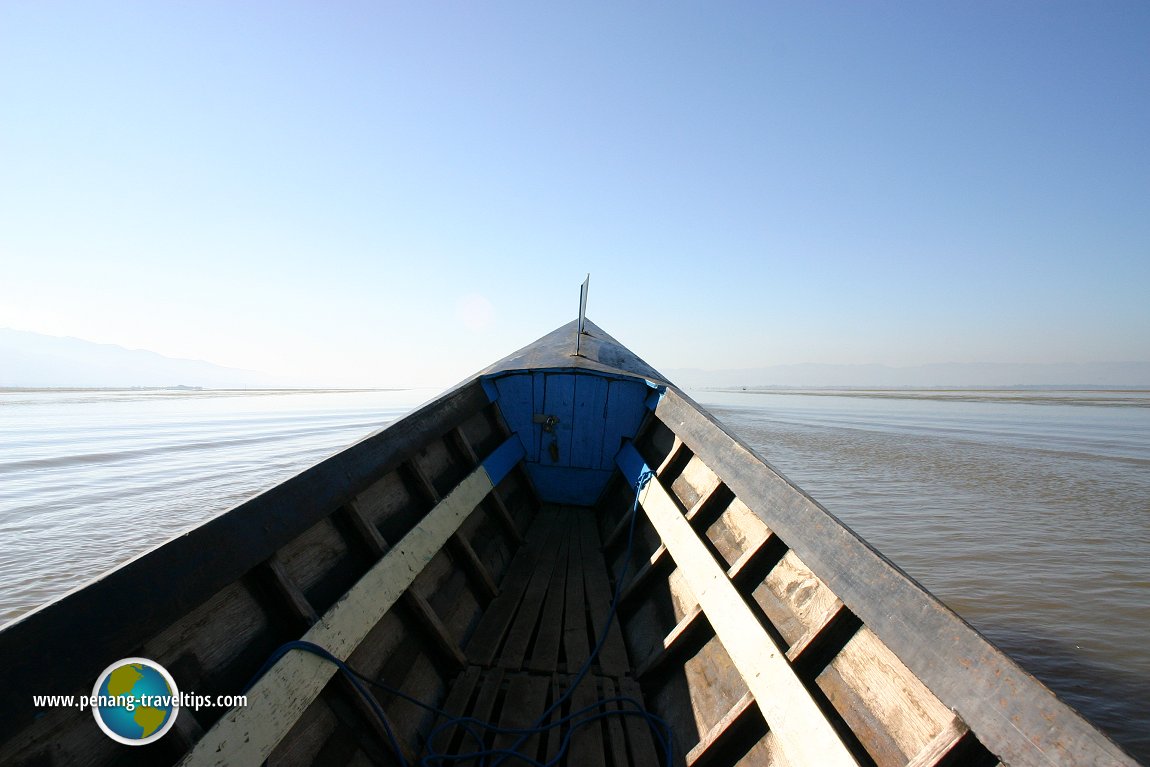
<point x="494" y="504"/>
<point x="801" y="645"/>
<point x="419" y="607"/>
<point x="691" y="630"/>
<point x="301" y="608"/>
<point x="288" y="591"/>
<point x="804" y="733"/>
<point x="659" y="562"/>
<point x="693" y="626"/>
<point x="742" y="714"/>
<point x="941" y="745"/>
<point x="245" y="736"/>
<point x="620" y="529"/>
<point x="464" y="554"/>
<point x="624" y="521"/>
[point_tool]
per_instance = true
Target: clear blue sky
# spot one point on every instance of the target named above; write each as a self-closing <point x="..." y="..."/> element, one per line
<point x="401" y="194"/>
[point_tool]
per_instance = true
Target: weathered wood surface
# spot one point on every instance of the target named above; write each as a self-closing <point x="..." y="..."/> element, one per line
<point x="693" y="629"/>
<point x="553" y="603"/>
<point x="493" y="503"/>
<point x="556" y="350"/>
<point x="883" y="662"/>
<point x="247" y="735"/>
<point x="518" y="699"/>
<point x="741" y="716"/>
<point x="297" y="604"/>
<point x="120" y="610"/>
<point x="1014" y="715"/>
<point x="806" y="735"/>
<point x="447" y="645"/>
<point x="485" y="643"/>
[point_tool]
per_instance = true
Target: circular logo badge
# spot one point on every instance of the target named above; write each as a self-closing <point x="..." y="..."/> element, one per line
<point x="135" y="701"/>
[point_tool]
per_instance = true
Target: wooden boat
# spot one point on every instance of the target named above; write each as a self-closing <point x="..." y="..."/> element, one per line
<point x="566" y="547"/>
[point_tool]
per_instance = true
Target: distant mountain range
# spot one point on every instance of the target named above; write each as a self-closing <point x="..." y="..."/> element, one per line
<point x="33" y="360"/>
<point x="957" y="375"/>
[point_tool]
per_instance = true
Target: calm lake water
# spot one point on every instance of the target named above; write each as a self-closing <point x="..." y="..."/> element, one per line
<point x="1028" y="513"/>
<point x="90" y="479"/>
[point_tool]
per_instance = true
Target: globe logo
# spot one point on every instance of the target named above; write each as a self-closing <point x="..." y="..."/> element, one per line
<point x="135" y="701"/>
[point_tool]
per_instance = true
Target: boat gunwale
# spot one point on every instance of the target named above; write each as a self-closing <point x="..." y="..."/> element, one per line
<point x="126" y="605"/>
<point x="974" y="678"/>
<point x="1013" y="714"/>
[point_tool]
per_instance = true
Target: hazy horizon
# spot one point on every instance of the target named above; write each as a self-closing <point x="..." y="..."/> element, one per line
<point x="38" y="361"/>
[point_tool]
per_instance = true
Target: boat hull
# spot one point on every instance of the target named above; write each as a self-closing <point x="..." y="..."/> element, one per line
<point x="568" y="548"/>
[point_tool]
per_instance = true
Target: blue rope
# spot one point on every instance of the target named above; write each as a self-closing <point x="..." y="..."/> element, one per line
<point x="353" y="676"/>
<point x="472" y="727"/>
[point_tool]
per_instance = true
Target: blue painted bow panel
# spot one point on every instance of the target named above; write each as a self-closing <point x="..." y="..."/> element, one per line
<point x="571" y="424"/>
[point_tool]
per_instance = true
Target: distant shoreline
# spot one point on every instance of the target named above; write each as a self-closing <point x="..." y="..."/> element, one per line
<point x="1078" y="396"/>
<point x="779" y="389"/>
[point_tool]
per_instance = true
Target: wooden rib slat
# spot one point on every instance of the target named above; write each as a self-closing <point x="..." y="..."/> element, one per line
<point x="812" y="636"/>
<point x="620" y="529"/>
<point x="278" y="699"/>
<point x="575" y="645"/>
<point x="613" y="656"/>
<point x="587" y="741"/>
<point x="526" y="699"/>
<point x="289" y="591"/>
<point x="940" y="745"/>
<point x="723" y="729"/>
<point x="616" y="741"/>
<point x="623" y="524"/>
<point x="641" y="744"/>
<point x="659" y="563"/>
<point x="803" y="732"/>
<point x="420" y="608"/>
<point x="692" y="630"/>
<point x="485" y="642"/>
<point x="494" y="503"/>
<point x="670" y="457"/>
<point x="692" y="625"/>
<point x="478" y="573"/>
<point x="528" y="614"/>
<point x="301" y="608"/>
<point x="545" y="656"/>
<point x="456" y="705"/>
<point x="480" y="576"/>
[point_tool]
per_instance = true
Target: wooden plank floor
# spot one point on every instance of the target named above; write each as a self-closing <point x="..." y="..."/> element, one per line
<point x="534" y="637"/>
